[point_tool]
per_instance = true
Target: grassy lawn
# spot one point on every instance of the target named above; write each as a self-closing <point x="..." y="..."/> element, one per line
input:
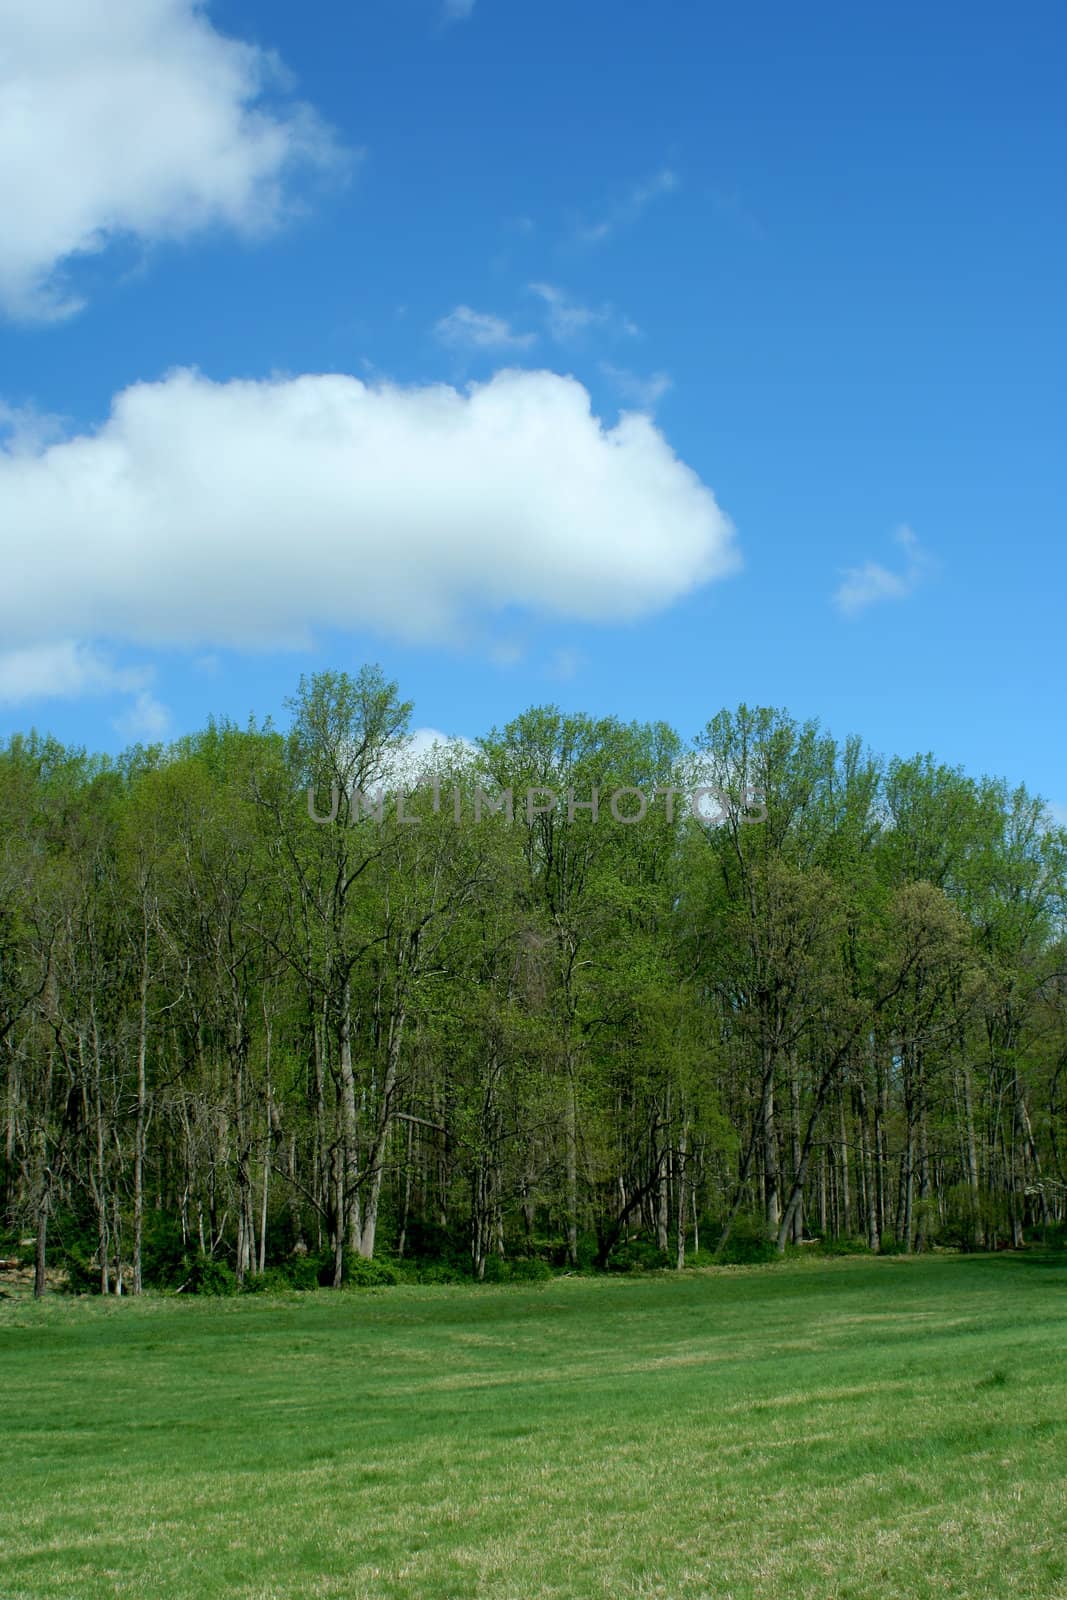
<point x="853" y="1428"/>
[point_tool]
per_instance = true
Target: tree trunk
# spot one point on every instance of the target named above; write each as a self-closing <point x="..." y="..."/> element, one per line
<point x="683" y="1140"/>
<point x="139" y="1126"/>
<point x="771" y="1202"/>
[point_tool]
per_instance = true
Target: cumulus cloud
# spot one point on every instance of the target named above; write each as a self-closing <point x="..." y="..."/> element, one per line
<point x="871" y="583"/>
<point x="251" y="514"/>
<point x="464" y="329"/>
<point x="133" y="118"/>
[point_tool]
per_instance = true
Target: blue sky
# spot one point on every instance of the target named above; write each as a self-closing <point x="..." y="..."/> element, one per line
<point x="820" y="251"/>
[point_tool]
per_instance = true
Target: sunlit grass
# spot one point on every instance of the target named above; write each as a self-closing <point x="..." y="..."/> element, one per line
<point x="861" y="1430"/>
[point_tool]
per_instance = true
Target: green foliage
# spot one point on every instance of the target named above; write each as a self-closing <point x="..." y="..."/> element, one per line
<point x="363" y="1274"/>
<point x="165" y="1259"/>
<point x="529" y="1269"/>
<point x="637" y="1255"/>
<point x="747" y="1245"/>
<point x="441" y="1272"/>
<point x="356" y="1271"/>
<point x="272" y="1280"/>
<point x="588" y="1252"/>
<point x="300" y="1272"/>
<point x="523" y="1269"/>
<point x="850" y="1245"/>
<point x="1050" y="1236"/>
<point x="495" y="1270"/>
<point x="83" y="1275"/>
<point x="208" y="995"/>
<point x="207" y="1276"/>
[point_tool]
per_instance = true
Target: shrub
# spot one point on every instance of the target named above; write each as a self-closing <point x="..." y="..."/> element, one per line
<point x="302" y="1272"/>
<point x="748" y="1244"/>
<point x="588" y="1250"/>
<point x="210" y="1277"/>
<point x="637" y="1255"/>
<point x="365" y="1274"/>
<point x="530" y="1269"/>
<point x="1050" y="1236"/>
<point x="83" y="1275"/>
<point x="164" y="1257"/>
<point x="747" y="1252"/>
<point x="428" y="1241"/>
<point x="269" y="1282"/>
<point x="355" y="1270"/>
<point x="844" y="1246"/>
<point x="299" y="1274"/>
<point x="440" y="1272"/>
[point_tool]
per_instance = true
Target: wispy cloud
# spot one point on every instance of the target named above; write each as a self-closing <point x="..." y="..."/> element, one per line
<point x="458" y="10"/>
<point x="732" y="209"/>
<point x="630" y="209"/>
<point x="69" y="670"/>
<point x="466" y="329"/>
<point x="567" y="319"/>
<point x="63" y="670"/>
<point x="146" y="719"/>
<point x="641" y="392"/>
<point x="565" y="663"/>
<point x="506" y="652"/>
<point x="872" y="583"/>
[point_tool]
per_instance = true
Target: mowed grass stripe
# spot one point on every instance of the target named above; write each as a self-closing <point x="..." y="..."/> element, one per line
<point x="866" y="1429"/>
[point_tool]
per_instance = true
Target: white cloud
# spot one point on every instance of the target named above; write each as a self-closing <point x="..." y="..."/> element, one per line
<point x="427" y="742"/>
<point x="63" y="670"/>
<point x="428" y="751"/>
<point x="506" y="652"/>
<point x="567" y="319"/>
<point x="458" y="10"/>
<point x="480" y="330"/>
<point x="27" y="429"/>
<point x="68" y="670"/>
<point x="867" y="585"/>
<point x="565" y="662"/>
<point x="250" y="514"/>
<point x="630" y="209"/>
<point x="146" y="719"/>
<point x="133" y="118"/>
<point x="642" y="392"/>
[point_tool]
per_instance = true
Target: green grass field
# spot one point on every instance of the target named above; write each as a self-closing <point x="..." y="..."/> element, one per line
<point x="854" y="1428"/>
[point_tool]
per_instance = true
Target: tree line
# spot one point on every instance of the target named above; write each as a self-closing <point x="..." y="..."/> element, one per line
<point x="252" y="1017"/>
